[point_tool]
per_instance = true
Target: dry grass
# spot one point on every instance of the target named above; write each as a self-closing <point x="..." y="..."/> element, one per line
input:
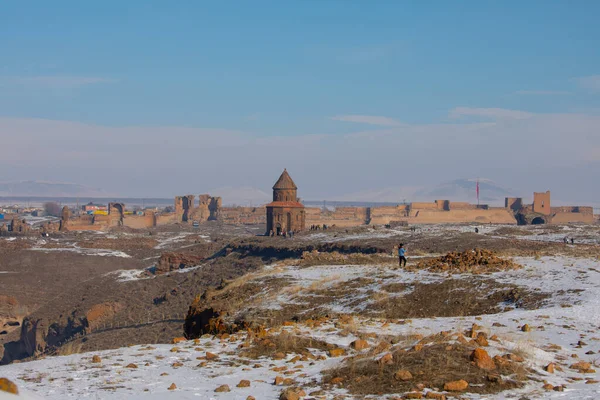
<point x="284" y="342"/>
<point x="74" y="347"/>
<point x="432" y="366"/>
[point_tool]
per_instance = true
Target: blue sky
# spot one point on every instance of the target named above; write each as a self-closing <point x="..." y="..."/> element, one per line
<point x="298" y="68"/>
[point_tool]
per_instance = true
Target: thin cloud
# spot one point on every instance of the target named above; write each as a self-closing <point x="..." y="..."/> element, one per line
<point x="542" y="92"/>
<point x="591" y="82"/>
<point x="54" y="82"/>
<point x="493" y="113"/>
<point x="368" y="119"/>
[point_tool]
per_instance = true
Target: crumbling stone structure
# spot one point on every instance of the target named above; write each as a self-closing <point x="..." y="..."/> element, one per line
<point x="285" y="213"/>
<point x="542" y="212"/>
<point x="65" y="219"/>
<point x="184" y="206"/>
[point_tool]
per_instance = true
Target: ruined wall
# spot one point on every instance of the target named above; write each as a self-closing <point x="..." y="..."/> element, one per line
<point x="341" y="216"/>
<point x="139" y="221"/>
<point x="541" y="203"/>
<point x="513" y="203"/>
<point x="573" y="209"/>
<point x="166" y="218"/>
<point x="572" y="217"/>
<point x="498" y="215"/>
<point x="424" y="206"/>
<point x="88" y="223"/>
<point x="387" y="214"/>
<point x="243" y="215"/>
<point x="457" y="205"/>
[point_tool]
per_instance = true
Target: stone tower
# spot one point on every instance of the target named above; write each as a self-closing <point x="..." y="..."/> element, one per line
<point x="285" y="213"/>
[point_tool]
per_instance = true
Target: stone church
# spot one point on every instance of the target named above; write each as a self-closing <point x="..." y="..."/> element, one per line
<point x="285" y="213"/>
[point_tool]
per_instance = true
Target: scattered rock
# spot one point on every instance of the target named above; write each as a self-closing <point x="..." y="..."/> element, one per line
<point x="548" y="386"/>
<point x="96" y="359"/>
<point x="292" y="393"/>
<point x="244" y="383"/>
<point x="525" y="328"/>
<point x="172" y="387"/>
<point x="8" y="386"/>
<point x="581" y="366"/>
<point x="386" y="359"/>
<point x="482" y="359"/>
<point x="359" y="344"/>
<point x="549" y="368"/>
<point x="178" y="340"/>
<point x="211" y="356"/>
<point x="338" y="352"/>
<point x="456" y="386"/>
<point x="403" y="375"/>
<point x="435" y="396"/>
<point x="132" y="366"/>
<point x="222" y="388"/>
<point x="481" y="339"/>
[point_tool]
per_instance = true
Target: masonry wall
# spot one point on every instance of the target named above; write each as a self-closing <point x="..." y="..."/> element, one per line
<point x="243" y="215"/>
<point x="139" y="221"/>
<point x="541" y="203"/>
<point x="572" y="217"/>
<point x="498" y="215"/>
<point x="165" y="219"/>
<point x="341" y="216"/>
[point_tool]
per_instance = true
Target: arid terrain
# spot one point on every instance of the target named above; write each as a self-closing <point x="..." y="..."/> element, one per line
<point x="220" y="312"/>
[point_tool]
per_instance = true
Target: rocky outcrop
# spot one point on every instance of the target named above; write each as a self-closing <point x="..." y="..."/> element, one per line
<point x="221" y="310"/>
<point x="39" y="335"/>
<point x="472" y="261"/>
<point x="175" y="261"/>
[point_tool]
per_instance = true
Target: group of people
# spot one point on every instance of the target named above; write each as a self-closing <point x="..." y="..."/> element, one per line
<point x="318" y="227"/>
<point x="285" y="234"/>
<point x="566" y="240"/>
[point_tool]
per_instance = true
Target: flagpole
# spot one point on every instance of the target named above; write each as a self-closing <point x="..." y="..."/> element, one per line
<point x="478" y="192"/>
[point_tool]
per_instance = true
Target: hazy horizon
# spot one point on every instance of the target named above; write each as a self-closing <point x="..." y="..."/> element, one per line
<point x="351" y="98"/>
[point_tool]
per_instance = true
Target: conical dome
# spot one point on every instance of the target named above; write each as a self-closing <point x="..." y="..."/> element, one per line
<point x="285" y="182"/>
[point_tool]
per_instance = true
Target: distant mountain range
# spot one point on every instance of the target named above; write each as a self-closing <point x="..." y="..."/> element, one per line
<point x="48" y="189"/>
<point x="466" y="190"/>
<point x="456" y="190"/>
<point x="241" y="196"/>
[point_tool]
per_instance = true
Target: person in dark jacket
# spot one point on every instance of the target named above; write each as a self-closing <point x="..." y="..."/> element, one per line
<point x="401" y="254"/>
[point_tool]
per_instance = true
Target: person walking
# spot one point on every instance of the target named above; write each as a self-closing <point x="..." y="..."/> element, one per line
<point x="401" y="254"/>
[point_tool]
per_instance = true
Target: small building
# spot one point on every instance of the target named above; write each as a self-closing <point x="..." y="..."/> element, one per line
<point x="285" y="213"/>
<point x="93" y="207"/>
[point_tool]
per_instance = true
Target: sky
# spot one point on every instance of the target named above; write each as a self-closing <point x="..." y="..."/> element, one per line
<point x="155" y="98"/>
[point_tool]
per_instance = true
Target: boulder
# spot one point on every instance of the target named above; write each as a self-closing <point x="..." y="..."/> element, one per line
<point x="359" y="344"/>
<point x="403" y="375"/>
<point x="482" y="359"/>
<point x="456" y="386"/>
<point x="8" y="386"/>
<point x="338" y="352"/>
<point x="223" y="388"/>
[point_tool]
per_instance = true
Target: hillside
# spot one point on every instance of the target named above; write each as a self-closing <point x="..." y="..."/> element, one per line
<point x="48" y="189"/>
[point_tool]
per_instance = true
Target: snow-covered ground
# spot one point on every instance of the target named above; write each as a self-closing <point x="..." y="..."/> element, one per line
<point x="85" y="251"/>
<point x="569" y="317"/>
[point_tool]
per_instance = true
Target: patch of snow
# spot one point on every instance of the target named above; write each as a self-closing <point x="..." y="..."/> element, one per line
<point x="85" y="251"/>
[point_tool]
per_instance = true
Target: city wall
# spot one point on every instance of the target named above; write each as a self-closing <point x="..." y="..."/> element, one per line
<point x="207" y="208"/>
